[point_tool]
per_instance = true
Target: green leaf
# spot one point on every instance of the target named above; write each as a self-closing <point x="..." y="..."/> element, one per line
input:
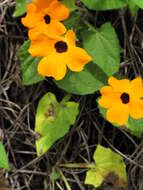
<point x="20" y="8"/>
<point x="109" y="167"/>
<point x="102" y="111"/>
<point x="133" y="7"/>
<point x="73" y="21"/>
<point x="53" y="121"/>
<point x="3" y="158"/>
<point x="139" y="3"/>
<point x="91" y="79"/>
<point x="70" y="4"/>
<point x="29" y="65"/>
<point x="105" y="4"/>
<point x="135" y="126"/>
<point x="103" y="46"/>
<point x="54" y="175"/>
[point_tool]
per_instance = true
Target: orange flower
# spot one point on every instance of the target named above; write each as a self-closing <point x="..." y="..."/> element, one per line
<point x="59" y="53"/>
<point x="44" y="16"/>
<point x="122" y="98"/>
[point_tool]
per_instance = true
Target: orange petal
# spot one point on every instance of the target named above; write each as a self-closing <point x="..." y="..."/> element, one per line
<point x="106" y="90"/>
<point x="56" y="28"/>
<point x="118" y="114"/>
<point x="109" y="100"/>
<point x="58" y="11"/>
<point x="137" y="88"/>
<point x="31" y="7"/>
<point x="78" y="57"/>
<point x="42" y="46"/>
<point x="32" y="17"/>
<point x="71" y="37"/>
<point x="122" y="85"/>
<point x="50" y="30"/>
<point x="109" y="97"/>
<point x="53" y="65"/>
<point x="42" y="4"/>
<point x="136" y="109"/>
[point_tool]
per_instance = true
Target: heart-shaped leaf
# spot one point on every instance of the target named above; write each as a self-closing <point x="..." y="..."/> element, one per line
<point x="139" y="3"/>
<point x="53" y="121"/>
<point x="109" y="167"/>
<point x="91" y="79"/>
<point x="29" y="65"/>
<point x="134" y="126"/>
<point x="20" y="8"/>
<point x="133" y="7"/>
<point x="105" y="4"/>
<point x="70" y="4"/>
<point x="3" y="158"/>
<point x="103" y="45"/>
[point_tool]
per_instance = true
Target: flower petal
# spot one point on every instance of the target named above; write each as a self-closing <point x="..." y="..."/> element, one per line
<point x="106" y="90"/>
<point x="58" y="10"/>
<point x="78" y="57"/>
<point x="42" y="4"/>
<point x="50" y="30"/>
<point x="71" y="37"/>
<point x="122" y="85"/>
<point x="109" y="97"/>
<point x="109" y="100"/>
<point x="118" y="113"/>
<point x="136" y="109"/>
<point x="42" y="46"/>
<point x="53" y="65"/>
<point x="137" y="88"/>
<point x="32" y="17"/>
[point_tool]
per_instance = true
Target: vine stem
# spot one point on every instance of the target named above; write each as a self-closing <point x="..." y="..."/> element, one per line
<point x="66" y="98"/>
<point x="65" y="180"/>
<point x="90" y="26"/>
<point x="77" y="165"/>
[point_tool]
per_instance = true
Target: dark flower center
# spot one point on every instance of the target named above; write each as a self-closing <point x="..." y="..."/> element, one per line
<point x="47" y="19"/>
<point x="61" y="47"/>
<point x="125" y="98"/>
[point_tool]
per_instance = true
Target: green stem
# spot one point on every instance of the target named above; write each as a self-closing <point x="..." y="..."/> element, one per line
<point x="66" y="98"/>
<point x="65" y="180"/>
<point x="90" y="26"/>
<point x="53" y="186"/>
<point x="77" y="165"/>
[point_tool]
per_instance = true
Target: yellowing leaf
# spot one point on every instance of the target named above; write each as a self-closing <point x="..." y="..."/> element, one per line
<point x="109" y="167"/>
<point x="94" y="178"/>
<point x="53" y="121"/>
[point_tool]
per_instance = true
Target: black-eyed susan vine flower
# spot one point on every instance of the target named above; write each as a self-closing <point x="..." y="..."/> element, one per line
<point x="44" y="16"/>
<point x="122" y="98"/>
<point x="59" y="53"/>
